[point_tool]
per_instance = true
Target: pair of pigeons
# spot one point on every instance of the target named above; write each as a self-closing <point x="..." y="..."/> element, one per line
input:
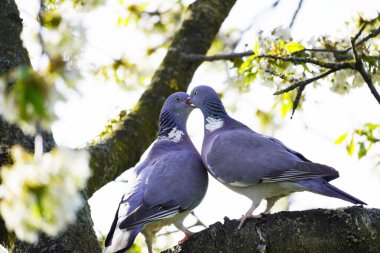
<point x="173" y="179"/>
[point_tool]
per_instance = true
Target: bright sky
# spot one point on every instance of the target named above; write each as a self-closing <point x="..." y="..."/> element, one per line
<point x="312" y="132"/>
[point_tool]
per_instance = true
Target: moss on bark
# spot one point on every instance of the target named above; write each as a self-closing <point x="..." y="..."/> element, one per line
<point x="352" y="229"/>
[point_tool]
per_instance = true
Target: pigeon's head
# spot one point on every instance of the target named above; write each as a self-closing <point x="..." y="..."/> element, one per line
<point x="176" y="105"/>
<point x="174" y="113"/>
<point x="205" y="98"/>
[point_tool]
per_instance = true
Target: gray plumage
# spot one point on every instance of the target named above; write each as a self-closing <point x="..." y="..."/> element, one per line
<point x="254" y="165"/>
<point x="168" y="184"/>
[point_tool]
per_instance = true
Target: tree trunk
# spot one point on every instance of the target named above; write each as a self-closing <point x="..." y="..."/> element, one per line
<point x="354" y="229"/>
<point x="12" y="55"/>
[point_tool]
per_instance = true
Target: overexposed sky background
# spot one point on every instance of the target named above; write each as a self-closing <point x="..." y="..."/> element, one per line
<point x="325" y="116"/>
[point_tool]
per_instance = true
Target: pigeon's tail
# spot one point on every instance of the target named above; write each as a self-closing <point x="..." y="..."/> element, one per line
<point x="321" y="186"/>
<point x="122" y="240"/>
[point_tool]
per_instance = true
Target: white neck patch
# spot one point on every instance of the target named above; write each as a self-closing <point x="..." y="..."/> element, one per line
<point x="213" y="124"/>
<point x="175" y="135"/>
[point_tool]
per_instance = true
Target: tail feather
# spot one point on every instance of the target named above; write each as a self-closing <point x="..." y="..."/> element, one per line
<point x="122" y="240"/>
<point x="322" y="187"/>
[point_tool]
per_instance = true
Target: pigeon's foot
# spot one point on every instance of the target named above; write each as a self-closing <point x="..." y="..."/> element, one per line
<point x="245" y="217"/>
<point x="183" y="240"/>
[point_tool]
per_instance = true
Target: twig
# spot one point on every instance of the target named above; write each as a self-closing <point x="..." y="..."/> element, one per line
<point x="296" y="13"/>
<point x="360" y="67"/>
<point x="360" y="31"/>
<point x="41" y="22"/>
<point x="293" y="59"/>
<point x="282" y="76"/>
<point x="275" y="3"/>
<point x="199" y="57"/>
<point x="299" y="60"/>
<point x="305" y="82"/>
<point x="297" y="99"/>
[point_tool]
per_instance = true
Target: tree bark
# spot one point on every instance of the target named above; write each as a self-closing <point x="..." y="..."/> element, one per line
<point x="353" y="229"/>
<point x="12" y="55"/>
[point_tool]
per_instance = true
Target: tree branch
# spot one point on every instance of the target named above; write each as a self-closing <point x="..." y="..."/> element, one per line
<point x="293" y="59"/>
<point x="297" y="99"/>
<point x="305" y="82"/>
<point x="12" y="55"/>
<point x="296" y="13"/>
<point x="362" y="71"/>
<point x="300" y="60"/>
<point x="346" y="230"/>
<point x="230" y="56"/>
<point x="371" y="35"/>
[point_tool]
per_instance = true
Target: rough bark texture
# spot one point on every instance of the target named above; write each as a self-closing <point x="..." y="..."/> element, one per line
<point x="124" y="147"/>
<point x="354" y="229"/>
<point x="12" y="54"/>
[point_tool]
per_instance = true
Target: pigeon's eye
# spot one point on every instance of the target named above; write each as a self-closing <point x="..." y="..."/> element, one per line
<point x="176" y="99"/>
<point x="195" y="93"/>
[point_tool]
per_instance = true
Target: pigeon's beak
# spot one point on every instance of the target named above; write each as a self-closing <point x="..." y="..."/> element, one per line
<point x="188" y="101"/>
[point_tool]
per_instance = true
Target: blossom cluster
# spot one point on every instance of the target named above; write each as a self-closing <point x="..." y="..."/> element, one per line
<point x="41" y="194"/>
<point x="27" y="98"/>
<point x="266" y="64"/>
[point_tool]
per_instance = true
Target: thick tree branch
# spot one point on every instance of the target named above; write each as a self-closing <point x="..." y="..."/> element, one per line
<point x="123" y="148"/>
<point x="353" y="229"/>
<point x="12" y="55"/>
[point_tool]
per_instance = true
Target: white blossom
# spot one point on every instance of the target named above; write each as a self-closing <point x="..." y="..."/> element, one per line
<point x="42" y="194"/>
<point x="3" y="250"/>
<point x="376" y="78"/>
<point x="340" y="84"/>
<point x="357" y="80"/>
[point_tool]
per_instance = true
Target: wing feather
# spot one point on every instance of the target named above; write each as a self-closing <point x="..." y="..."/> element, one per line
<point x="243" y="158"/>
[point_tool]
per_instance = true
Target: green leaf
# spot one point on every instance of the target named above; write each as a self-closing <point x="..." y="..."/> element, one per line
<point x="256" y="48"/>
<point x="351" y="147"/>
<point x="341" y="138"/>
<point x="362" y="150"/>
<point x="292" y="47"/>
<point x="245" y="65"/>
<point x="372" y="126"/>
<point x="250" y="78"/>
<point x="285" y="108"/>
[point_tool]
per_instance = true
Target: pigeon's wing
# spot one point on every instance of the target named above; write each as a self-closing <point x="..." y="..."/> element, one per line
<point x="299" y="155"/>
<point x="176" y="182"/>
<point x="243" y="157"/>
<point x="119" y="239"/>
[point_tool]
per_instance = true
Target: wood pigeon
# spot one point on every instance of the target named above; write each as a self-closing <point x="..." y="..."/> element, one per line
<point x="168" y="184"/>
<point x="254" y="165"/>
